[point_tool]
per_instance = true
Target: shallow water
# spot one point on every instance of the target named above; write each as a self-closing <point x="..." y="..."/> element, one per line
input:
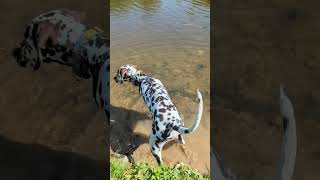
<point x="169" y="40"/>
<point x="167" y="30"/>
<point x="166" y="38"/>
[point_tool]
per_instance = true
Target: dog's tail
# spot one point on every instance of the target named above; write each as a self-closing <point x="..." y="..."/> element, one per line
<point x="184" y="130"/>
<point x="289" y="144"/>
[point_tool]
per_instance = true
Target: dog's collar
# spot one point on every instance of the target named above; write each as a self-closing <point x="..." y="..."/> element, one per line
<point x="90" y="33"/>
<point x="139" y="73"/>
<point x="87" y="34"/>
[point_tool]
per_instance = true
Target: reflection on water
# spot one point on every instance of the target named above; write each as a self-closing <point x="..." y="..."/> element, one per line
<point x="167" y="35"/>
<point x="123" y="7"/>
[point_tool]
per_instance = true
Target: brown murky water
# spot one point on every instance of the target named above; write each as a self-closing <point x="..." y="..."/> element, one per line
<point x="168" y="39"/>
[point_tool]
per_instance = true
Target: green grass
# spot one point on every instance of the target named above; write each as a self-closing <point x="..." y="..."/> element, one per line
<point x="120" y="170"/>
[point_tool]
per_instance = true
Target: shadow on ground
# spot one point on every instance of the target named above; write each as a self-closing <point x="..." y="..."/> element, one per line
<point x="35" y="161"/>
<point x="123" y="138"/>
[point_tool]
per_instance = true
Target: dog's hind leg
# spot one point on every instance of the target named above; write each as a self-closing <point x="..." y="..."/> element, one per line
<point x="181" y="139"/>
<point x="156" y="148"/>
<point x="156" y="153"/>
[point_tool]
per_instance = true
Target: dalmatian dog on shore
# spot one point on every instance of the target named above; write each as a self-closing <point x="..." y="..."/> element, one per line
<point x="62" y="36"/>
<point x="289" y="146"/>
<point x="167" y="123"/>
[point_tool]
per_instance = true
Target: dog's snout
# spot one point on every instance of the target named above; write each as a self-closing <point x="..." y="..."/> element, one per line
<point x="115" y="78"/>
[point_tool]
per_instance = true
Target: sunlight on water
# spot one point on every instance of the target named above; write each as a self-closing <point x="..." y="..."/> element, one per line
<point x="169" y="39"/>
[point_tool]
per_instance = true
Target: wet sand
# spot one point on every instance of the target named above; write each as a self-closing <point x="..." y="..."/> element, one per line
<point x="50" y="127"/>
<point x="257" y="46"/>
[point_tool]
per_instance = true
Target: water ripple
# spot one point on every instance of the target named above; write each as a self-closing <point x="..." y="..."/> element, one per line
<point x="171" y="34"/>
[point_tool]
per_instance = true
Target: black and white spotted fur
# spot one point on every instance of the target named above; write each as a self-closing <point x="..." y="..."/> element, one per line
<point x="167" y="123"/>
<point x="63" y="37"/>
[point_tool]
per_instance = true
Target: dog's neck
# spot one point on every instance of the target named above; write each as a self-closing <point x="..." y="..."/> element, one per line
<point x="136" y="76"/>
<point x="94" y="46"/>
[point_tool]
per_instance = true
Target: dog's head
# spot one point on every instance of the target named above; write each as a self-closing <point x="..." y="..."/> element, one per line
<point x="125" y="73"/>
<point x="25" y="55"/>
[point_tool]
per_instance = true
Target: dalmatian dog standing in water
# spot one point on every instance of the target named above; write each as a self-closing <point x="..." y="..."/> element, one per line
<point x="62" y="36"/>
<point x="167" y="123"/>
<point x="289" y="146"/>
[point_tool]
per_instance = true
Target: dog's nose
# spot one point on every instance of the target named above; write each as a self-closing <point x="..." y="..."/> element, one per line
<point x="115" y="78"/>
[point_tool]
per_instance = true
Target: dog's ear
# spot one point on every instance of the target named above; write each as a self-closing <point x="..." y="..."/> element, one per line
<point x="81" y="68"/>
<point x="48" y="34"/>
<point x="134" y="66"/>
<point x="123" y="72"/>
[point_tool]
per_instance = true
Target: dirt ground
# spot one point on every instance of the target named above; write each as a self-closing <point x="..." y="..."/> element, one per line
<point x="257" y="46"/>
<point x="50" y="127"/>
